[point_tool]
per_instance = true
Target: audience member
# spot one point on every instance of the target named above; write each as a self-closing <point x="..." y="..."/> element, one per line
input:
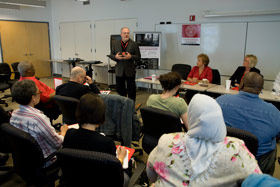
<point x="32" y="120"/>
<point x="276" y="84"/>
<point x="203" y="156"/>
<point x="4" y="118"/>
<point x="248" y="112"/>
<point x="47" y="105"/>
<point x="90" y="114"/>
<point x="249" y="63"/>
<point x="260" y="180"/>
<point x="75" y="87"/>
<point x="170" y="83"/>
<point x="201" y="70"/>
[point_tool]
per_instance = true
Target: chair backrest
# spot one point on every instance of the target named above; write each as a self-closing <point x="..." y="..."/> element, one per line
<point x="182" y="69"/>
<point x="250" y="140"/>
<point x="5" y="72"/>
<point x="89" y="168"/>
<point x="157" y="122"/>
<point x="27" y="155"/>
<point x="121" y="120"/>
<point x="15" y="69"/>
<point x="216" y="77"/>
<point x="67" y="105"/>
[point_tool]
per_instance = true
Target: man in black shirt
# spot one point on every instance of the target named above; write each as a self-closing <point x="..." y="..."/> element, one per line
<point x="75" y="87"/>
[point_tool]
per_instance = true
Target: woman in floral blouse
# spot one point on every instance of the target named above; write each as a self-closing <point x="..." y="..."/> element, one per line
<point x="203" y="156"/>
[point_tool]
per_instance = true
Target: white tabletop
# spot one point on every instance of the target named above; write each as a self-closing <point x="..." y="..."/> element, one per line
<point x="221" y="89"/>
<point x="265" y="95"/>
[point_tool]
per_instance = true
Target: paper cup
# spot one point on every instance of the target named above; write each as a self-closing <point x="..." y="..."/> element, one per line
<point x="228" y="82"/>
<point x="154" y="78"/>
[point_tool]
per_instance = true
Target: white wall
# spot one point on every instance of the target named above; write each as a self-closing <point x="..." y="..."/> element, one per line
<point x="151" y="12"/>
<point x="147" y="12"/>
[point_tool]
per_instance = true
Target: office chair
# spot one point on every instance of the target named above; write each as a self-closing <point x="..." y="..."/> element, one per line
<point x="216" y="77"/>
<point x="90" y="168"/>
<point x="28" y="158"/>
<point x="250" y="140"/>
<point x="157" y="122"/>
<point x="121" y="121"/>
<point x="15" y="70"/>
<point x="182" y="69"/>
<point x="67" y="105"/>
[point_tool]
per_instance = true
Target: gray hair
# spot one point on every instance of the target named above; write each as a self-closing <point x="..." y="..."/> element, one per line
<point x="23" y="67"/>
<point x="22" y="91"/>
<point x="124" y="28"/>
<point x="76" y="71"/>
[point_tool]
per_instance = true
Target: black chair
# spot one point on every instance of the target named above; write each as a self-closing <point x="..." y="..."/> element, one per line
<point x="157" y="122"/>
<point x="182" y="69"/>
<point x="250" y="140"/>
<point x="28" y="158"/>
<point x="86" y="168"/>
<point x="121" y="121"/>
<point x="15" y="70"/>
<point x="6" y="70"/>
<point x="216" y="77"/>
<point x="67" y="105"/>
<point x="90" y="168"/>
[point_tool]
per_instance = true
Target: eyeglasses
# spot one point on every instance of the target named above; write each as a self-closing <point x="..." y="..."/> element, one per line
<point x="39" y="92"/>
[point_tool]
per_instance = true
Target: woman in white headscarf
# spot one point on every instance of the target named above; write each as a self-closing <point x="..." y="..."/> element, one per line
<point x="203" y="156"/>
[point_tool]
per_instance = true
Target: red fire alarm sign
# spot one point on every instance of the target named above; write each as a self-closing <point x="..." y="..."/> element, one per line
<point x="192" y="17"/>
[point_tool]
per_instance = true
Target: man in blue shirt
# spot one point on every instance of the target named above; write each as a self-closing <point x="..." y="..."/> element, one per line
<point x="248" y="112"/>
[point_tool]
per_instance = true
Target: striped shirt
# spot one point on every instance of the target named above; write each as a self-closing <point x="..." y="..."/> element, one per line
<point x="35" y="123"/>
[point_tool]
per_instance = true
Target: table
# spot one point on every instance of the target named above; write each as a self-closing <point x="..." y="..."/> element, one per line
<point x="265" y="94"/>
<point x="196" y="87"/>
<point x="214" y="88"/>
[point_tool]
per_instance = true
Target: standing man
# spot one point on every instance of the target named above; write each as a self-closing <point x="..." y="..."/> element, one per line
<point x="125" y="53"/>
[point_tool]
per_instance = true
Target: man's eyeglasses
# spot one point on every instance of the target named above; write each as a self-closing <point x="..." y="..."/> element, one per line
<point x="39" y="92"/>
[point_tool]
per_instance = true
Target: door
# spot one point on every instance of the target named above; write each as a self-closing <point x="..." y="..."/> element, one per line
<point x="26" y="41"/>
<point x="39" y="50"/>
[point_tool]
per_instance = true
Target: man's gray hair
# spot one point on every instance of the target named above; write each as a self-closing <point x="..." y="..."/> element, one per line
<point x="124" y="28"/>
<point x="76" y="71"/>
<point x="23" y="67"/>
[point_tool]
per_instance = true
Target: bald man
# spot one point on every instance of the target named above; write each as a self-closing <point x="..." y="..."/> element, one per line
<point x="247" y="111"/>
<point x="75" y="87"/>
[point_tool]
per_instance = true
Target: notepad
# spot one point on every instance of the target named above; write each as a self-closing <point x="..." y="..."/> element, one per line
<point x="129" y="153"/>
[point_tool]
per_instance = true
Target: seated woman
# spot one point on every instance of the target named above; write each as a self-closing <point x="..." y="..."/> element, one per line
<point x="202" y="70"/>
<point x="33" y="121"/>
<point x="203" y="156"/>
<point x="170" y="83"/>
<point x="90" y="114"/>
<point x="249" y="63"/>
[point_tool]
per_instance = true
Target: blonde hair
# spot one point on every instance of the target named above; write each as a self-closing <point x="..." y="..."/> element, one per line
<point x="204" y="58"/>
<point x="253" y="60"/>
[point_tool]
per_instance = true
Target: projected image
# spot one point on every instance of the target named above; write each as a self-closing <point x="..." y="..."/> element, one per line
<point x="147" y="39"/>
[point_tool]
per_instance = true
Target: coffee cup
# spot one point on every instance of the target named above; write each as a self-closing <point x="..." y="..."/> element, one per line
<point x="228" y="82"/>
<point x="154" y="78"/>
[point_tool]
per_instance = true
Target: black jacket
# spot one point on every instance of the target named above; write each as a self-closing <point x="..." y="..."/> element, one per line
<point x="237" y="75"/>
<point x="76" y="90"/>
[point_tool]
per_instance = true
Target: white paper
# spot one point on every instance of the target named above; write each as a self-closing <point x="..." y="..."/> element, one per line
<point x="57" y="82"/>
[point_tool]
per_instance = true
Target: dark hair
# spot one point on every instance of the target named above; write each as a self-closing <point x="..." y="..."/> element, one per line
<point x="22" y="91"/>
<point x="170" y="80"/>
<point x="90" y="109"/>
